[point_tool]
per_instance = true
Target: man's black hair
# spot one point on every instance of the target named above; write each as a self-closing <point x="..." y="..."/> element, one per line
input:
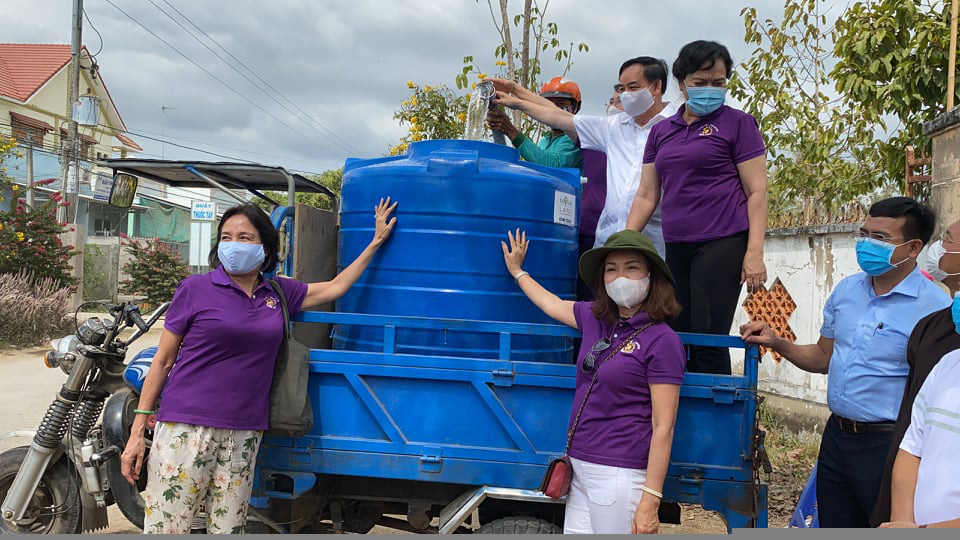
<point x="654" y="69"/>
<point x="920" y="219"/>
<point x="269" y="236"/>
<point x="698" y="55"/>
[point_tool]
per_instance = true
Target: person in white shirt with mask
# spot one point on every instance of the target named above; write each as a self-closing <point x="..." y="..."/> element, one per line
<point x="622" y="137"/>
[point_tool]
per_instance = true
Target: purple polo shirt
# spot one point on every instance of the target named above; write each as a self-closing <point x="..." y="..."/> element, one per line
<point x="594" y="192"/>
<point x="702" y="196"/>
<point x="223" y="374"/>
<point x="615" y="428"/>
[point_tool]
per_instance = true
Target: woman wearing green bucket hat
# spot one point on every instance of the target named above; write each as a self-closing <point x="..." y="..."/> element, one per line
<point x="629" y="370"/>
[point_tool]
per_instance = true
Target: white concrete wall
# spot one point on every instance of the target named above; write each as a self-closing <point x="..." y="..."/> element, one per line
<point x="809" y="261"/>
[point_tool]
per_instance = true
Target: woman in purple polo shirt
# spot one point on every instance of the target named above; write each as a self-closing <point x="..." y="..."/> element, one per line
<point x="706" y="167"/>
<point x="630" y="367"/>
<point x="215" y="364"/>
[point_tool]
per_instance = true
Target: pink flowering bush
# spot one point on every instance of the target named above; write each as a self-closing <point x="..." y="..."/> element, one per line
<point x="30" y="241"/>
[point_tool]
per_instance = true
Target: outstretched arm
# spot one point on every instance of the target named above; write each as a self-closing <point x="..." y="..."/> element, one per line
<point x="550" y="115"/>
<point x="327" y="291"/>
<point x="552" y="305"/>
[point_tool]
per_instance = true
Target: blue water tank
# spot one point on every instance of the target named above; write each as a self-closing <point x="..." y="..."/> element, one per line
<point x="457" y="199"/>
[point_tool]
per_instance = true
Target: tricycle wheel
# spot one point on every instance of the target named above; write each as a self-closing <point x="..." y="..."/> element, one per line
<point x="55" y="505"/>
<point x="519" y="525"/>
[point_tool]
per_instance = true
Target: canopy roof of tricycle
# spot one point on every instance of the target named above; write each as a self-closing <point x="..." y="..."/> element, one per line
<point x="251" y="177"/>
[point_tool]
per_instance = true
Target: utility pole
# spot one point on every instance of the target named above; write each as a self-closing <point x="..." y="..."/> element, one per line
<point x="30" y="171"/>
<point x="70" y="146"/>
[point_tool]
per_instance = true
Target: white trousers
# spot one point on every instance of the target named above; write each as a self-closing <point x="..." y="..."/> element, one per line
<point x="602" y="499"/>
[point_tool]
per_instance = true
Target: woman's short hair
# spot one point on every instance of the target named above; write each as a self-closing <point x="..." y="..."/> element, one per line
<point x="698" y="55"/>
<point x="660" y="304"/>
<point x="269" y="236"/>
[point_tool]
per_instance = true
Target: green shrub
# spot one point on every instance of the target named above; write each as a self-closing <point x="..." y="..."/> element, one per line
<point x="155" y="270"/>
<point x="33" y="310"/>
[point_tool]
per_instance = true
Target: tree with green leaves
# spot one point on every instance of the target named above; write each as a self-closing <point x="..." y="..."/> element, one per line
<point x="331" y="179"/>
<point x="892" y="58"/>
<point x="822" y="151"/>
<point x="438" y="112"/>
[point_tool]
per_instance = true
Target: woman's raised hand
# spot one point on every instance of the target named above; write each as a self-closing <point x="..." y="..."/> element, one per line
<point x="514" y="255"/>
<point x="384" y="224"/>
<point x="503" y="85"/>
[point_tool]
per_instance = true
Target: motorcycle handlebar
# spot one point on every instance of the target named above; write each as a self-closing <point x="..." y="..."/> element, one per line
<point x="136" y="319"/>
<point x="144" y="327"/>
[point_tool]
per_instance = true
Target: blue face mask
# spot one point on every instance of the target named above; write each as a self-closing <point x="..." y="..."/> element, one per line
<point x="703" y="100"/>
<point x="873" y="256"/>
<point x="955" y="311"/>
<point x="240" y="258"/>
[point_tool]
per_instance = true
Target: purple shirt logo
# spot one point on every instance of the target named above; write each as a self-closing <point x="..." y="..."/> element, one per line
<point x="272" y="302"/>
<point x="709" y="129"/>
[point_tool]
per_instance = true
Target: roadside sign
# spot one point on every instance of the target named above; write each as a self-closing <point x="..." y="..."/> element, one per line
<point x="203" y="211"/>
<point x="101" y="192"/>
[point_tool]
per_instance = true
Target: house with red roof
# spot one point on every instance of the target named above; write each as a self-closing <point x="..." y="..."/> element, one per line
<point x="33" y="109"/>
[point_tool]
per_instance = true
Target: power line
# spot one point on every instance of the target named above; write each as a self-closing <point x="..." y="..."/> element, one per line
<point x="53" y="148"/>
<point x="348" y="147"/>
<point x="214" y="77"/>
<point x="231" y="66"/>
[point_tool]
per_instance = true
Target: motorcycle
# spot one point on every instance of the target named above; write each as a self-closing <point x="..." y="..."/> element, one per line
<point x="66" y="478"/>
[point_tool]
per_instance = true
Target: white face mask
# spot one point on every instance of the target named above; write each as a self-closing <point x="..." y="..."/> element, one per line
<point x="613" y="110"/>
<point x="628" y="293"/>
<point x="636" y="103"/>
<point x="931" y="264"/>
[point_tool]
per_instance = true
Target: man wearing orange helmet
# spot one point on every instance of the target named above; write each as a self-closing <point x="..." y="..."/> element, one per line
<point x="555" y="148"/>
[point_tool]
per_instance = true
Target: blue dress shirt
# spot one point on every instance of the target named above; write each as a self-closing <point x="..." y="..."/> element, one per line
<point x="868" y="369"/>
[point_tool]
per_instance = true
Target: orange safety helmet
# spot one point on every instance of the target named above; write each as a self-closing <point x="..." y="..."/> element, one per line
<point x="561" y="87"/>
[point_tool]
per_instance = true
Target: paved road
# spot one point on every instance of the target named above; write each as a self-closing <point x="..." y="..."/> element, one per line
<point x="26" y="389"/>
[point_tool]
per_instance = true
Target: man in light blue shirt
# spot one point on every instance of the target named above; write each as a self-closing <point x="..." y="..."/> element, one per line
<point x="862" y="348"/>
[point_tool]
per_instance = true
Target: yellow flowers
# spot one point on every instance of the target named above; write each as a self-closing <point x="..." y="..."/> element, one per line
<point x="413" y="101"/>
<point x="20" y="237"/>
<point x="462" y="116"/>
<point x="1" y="224"/>
<point x="411" y="85"/>
<point x="148" y="511"/>
<point x="15" y="187"/>
<point x="413" y="119"/>
<point x="427" y="88"/>
<point x="501" y="63"/>
<point x="481" y="76"/>
<point x="468" y="96"/>
<point x="473" y="86"/>
<point x="416" y="137"/>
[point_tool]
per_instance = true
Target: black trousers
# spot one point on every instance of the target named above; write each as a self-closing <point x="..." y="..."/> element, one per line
<point x="708" y="287"/>
<point x="849" y="470"/>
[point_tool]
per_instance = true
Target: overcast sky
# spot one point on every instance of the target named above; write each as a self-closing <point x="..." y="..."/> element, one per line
<point x="345" y="62"/>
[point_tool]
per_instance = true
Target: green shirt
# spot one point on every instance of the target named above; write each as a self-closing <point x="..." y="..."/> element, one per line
<point x="553" y="151"/>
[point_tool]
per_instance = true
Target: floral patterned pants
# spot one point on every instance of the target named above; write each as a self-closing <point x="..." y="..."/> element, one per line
<point x="189" y="465"/>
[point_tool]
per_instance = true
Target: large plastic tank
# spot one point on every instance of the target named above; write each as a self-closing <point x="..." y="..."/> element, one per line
<point x="457" y="199"/>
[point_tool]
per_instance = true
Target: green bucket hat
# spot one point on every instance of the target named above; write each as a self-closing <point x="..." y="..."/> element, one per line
<point x="592" y="261"/>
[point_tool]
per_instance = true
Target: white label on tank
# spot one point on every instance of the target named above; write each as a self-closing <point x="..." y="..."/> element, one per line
<point x="564" y="208"/>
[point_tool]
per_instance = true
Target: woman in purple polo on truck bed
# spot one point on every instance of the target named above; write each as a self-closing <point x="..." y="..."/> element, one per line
<point x="709" y="162"/>
<point x="629" y="371"/>
<point x="227" y="327"/>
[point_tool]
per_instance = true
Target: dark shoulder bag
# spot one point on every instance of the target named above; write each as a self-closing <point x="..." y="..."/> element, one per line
<point x="556" y="483"/>
<point x="290" y="411"/>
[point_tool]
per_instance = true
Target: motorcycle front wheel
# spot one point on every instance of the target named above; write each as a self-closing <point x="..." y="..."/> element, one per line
<point x="55" y="505"/>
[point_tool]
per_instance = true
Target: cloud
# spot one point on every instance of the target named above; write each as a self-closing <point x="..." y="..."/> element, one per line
<point x="345" y="63"/>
